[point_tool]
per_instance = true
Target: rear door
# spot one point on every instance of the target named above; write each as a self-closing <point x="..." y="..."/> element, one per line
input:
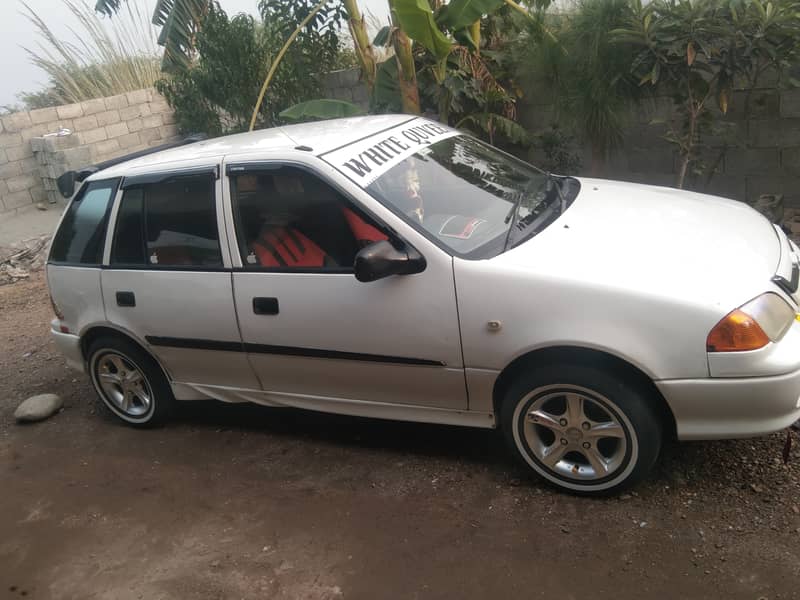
<point x="169" y="283"/>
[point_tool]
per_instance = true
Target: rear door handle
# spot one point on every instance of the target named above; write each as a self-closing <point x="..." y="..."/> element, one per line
<point x="126" y="299"/>
<point x="265" y="306"/>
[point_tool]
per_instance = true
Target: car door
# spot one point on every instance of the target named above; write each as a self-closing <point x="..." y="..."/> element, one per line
<point x="168" y="281"/>
<point x="312" y="330"/>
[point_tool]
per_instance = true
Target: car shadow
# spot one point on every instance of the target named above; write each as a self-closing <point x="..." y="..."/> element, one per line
<point x="484" y="446"/>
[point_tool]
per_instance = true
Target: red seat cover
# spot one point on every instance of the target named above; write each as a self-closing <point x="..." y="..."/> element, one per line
<point x="287" y="247"/>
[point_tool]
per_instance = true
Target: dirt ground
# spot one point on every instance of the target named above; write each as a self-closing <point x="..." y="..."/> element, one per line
<point x="249" y="502"/>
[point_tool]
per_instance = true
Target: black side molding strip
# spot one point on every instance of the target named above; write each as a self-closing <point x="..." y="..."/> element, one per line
<point x="286" y="351"/>
<point x="195" y="344"/>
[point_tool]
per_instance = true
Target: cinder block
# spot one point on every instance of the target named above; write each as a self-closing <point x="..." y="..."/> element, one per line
<point x="138" y="97"/>
<point x="21" y="182"/>
<point x="11" y="169"/>
<point x="38" y="194"/>
<point x="9" y="140"/>
<point x="17" y="199"/>
<point x="168" y="132"/>
<point x="3" y="157"/>
<point x="135" y="125"/>
<point x="790" y="103"/>
<point x="116" y="102"/>
<point x="75" y="158"/>
<point x="49" y="184"/>
<point x="69" y="111"/>
<point x="116" y="130"/>
<point x="16" y="121"/>
<point x="19" y="152"/>
<point x="56" y="126"/>
<point x="151" y="121"/>
<point x="33" y="131"/>
<point x="93" y="135"/>
<point x="29" y="165"/>
<point x="159" y="105"/>
<point x="126" y="141"/>
<point x="104" y="149"/>
<point x="771" y="133"/>
<point x="150" y="135"/>
<point x="752" y="161"/>
<point x="93" y="106"/>
<point x="758" y="185"/>
<point x="790" y="161"/>
<point x="43" y="115"/>
<point x="108" y="117"/>
<point x="84" y="124"/>
<point x="54" y="143"/>
<point x="131" y="112"/>
<point x="168" y="118"/>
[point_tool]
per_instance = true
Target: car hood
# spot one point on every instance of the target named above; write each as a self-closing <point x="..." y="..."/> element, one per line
<point x="658" y="241"/>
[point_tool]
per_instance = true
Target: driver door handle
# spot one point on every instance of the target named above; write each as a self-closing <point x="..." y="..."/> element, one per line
<point x="265" y="306"/>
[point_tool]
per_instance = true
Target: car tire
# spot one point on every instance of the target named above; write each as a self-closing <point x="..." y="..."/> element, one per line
<point x="582" y="429"/>
<point x="130" y="382"/>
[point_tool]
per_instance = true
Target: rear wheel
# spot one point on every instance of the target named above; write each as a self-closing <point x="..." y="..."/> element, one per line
<point x="130" y="382"/>
<point x="582" y="429"/>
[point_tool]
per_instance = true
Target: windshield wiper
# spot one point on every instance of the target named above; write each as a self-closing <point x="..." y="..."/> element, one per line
<point x="513" y="214"/>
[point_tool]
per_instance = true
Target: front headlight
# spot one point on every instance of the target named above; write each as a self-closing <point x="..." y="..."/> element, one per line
<point x="761" y="321"/>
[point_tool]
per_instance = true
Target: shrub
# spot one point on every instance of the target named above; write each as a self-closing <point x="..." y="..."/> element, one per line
<point x="217" y="93"/>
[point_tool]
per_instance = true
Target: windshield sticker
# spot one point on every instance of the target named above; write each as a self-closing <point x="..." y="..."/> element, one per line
<point x="366" y="160"/>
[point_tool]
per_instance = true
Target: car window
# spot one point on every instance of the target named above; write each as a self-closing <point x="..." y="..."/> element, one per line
<point x="171" y="223"/>
<point x="288" y="219"/>
<point x="81" y="236"/>
<point x="464" y="194"/>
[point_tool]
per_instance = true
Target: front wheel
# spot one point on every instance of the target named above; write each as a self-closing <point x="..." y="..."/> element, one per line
<point x="582" y="429"/>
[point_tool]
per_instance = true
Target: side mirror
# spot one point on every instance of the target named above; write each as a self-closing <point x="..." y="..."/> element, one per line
<point x="382" y="259"/>
<point x="66" y="184"/>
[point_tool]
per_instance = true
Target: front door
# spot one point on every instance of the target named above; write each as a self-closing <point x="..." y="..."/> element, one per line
<point x="313" y="331"/>
<point x="167" y="282"/>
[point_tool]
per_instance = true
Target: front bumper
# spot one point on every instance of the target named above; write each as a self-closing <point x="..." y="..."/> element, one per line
<point x="707" y="409"/>
<point x="70" y="346"/>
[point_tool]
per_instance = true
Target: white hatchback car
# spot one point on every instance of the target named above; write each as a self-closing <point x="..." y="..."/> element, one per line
<point x="393" y="267"/>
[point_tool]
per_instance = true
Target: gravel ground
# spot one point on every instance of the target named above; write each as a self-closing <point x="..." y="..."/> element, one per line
<point x="250" y="502"/>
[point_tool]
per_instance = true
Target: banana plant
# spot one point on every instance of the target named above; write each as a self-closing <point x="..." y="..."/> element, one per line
<point x="179" y="20"/>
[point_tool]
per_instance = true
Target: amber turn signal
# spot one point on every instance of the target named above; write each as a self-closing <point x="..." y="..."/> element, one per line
<point x="735" y="333"/>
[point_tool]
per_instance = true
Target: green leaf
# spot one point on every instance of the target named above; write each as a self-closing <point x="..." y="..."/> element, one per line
<point x="386" y="93"/>
<point x="320" y="110"/>
<point x="383" y="37"/>
<point x="459" y="14"/>
<point x="416" y="19"/>
<point x="107" y="7"/>
<point x="464" y="37"/>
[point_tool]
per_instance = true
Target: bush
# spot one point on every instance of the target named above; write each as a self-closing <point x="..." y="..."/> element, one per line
<point x="217" y="94"/>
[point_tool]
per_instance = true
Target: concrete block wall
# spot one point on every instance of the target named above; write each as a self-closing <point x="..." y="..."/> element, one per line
<point x="760" y="153"/>
<point x="346" y="85"/>
<point x="102" y="128"/>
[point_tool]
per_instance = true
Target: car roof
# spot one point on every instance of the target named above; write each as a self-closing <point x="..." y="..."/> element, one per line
<point x="320" y="137"/>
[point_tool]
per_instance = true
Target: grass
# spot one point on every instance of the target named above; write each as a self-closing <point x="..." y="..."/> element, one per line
<point x="109" y="56"/>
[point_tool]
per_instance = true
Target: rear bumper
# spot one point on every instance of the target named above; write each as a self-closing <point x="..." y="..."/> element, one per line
<point x="706" y="409"/>
<point x="70" y="346"/>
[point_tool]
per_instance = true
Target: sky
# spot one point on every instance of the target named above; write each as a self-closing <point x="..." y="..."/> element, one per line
<point x="17" y="74"/>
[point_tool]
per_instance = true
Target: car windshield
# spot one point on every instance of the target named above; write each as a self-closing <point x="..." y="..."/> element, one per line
<point x="470" y="197"/>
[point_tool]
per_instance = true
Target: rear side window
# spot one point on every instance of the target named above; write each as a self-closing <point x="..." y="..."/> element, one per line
<point x="81" y="236"/>
<point x="171" y="223"/>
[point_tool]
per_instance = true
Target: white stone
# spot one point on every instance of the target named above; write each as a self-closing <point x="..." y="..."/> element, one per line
<point x="38" y="408"/>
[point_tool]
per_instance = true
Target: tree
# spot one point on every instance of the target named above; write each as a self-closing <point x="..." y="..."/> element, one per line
<point x="696" y="51"/>
<point x="589" y="75"/>
<point x="216" y="95"/>
<point x="180" y="22"/>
